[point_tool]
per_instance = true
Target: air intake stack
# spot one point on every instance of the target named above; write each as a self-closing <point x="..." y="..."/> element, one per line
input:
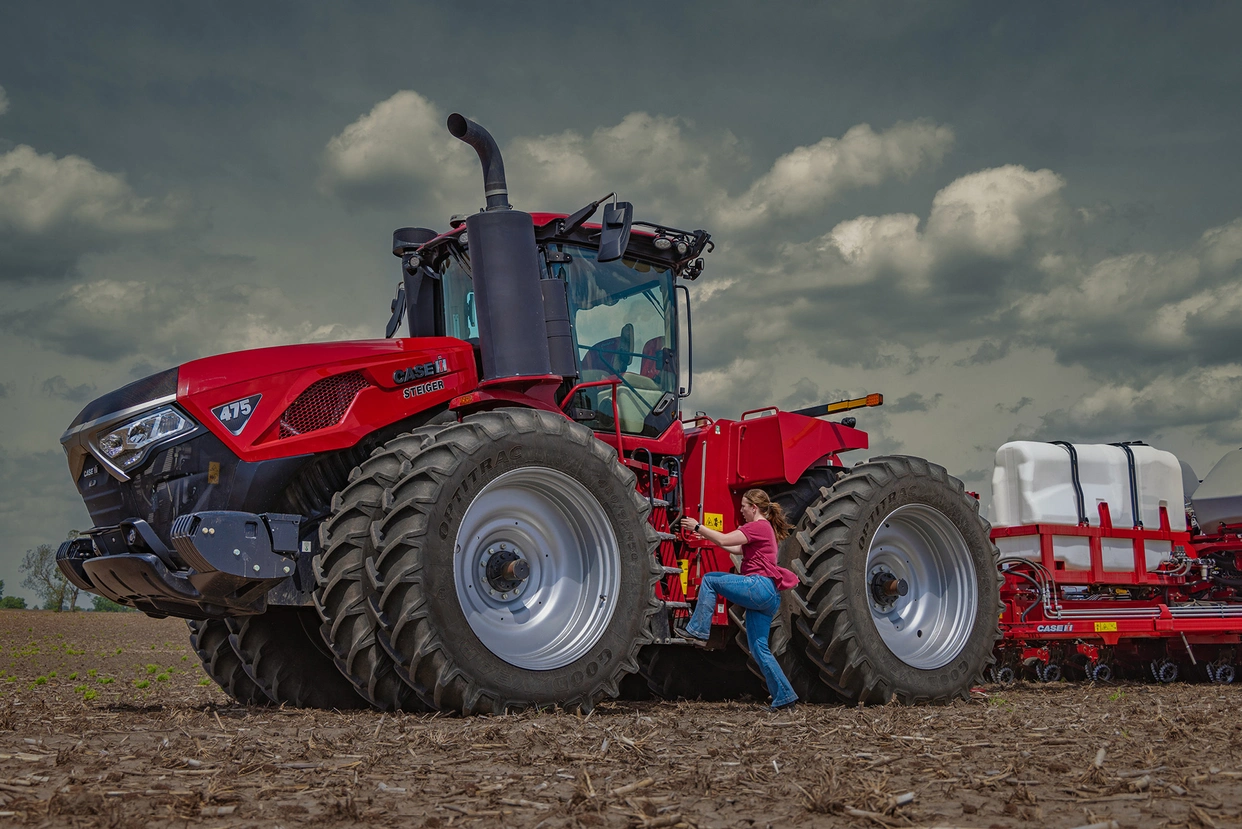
<point x="504" y="264"/>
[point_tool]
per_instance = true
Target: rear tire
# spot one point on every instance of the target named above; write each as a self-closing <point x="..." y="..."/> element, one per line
<point x="210" y="640"/>
<point x="537" y="486"/>
<point x="283" y="654"/>
<point x="341" y="591"/>
<point x="904" y="518"/>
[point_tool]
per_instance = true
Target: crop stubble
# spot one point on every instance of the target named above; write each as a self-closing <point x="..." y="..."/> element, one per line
<point x="175" y="751"/>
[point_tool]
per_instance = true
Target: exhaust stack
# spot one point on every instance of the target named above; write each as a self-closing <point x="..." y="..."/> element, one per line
<point x="504" y="264"/>
<point x="495" y="188"/>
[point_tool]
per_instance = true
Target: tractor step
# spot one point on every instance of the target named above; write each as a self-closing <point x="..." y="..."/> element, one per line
<point x="667" y="536"/>
<point x="669" y="571"/>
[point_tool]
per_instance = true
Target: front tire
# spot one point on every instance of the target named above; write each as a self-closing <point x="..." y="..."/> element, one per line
<point x="210" y="640"/>
<point x="340" y="584"/>
<point x="283" y="654"/>
<point x="891" y="522"/>
<point x="516" y="566"/>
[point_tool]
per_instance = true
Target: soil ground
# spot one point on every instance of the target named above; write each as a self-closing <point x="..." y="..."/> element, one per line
<point x="106" y="719"/>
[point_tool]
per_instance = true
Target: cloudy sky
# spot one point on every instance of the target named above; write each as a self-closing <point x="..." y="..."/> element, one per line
<point x="1012" y="220"/>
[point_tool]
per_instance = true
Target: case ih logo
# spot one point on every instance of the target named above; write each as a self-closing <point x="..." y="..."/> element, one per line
<point x="1054" y="628"/>
<point x="408" y="375"/>
<point x="234" y="415"/>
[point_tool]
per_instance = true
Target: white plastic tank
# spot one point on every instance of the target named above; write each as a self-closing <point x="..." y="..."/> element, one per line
<point x="1032" y="483"/>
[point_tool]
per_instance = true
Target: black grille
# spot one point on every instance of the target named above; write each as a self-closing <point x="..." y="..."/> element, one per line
<point x="323" y="404"/>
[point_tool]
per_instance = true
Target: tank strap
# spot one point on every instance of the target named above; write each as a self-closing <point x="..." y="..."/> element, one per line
<point x="1073" y="453"/>
<point x="1134" y="502"/>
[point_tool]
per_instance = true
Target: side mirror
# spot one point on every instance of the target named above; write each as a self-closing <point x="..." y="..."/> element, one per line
<point x="615" y="236"/>
<point x="398" y="311"/>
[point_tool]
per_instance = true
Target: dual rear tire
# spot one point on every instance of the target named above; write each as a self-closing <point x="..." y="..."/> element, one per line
<point x="515" y="567"/>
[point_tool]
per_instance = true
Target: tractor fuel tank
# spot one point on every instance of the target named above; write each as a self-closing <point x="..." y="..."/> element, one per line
<point x="1047" y="483"/>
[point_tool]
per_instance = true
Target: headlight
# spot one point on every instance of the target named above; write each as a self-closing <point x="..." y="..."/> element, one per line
<point x="127" y="445"/>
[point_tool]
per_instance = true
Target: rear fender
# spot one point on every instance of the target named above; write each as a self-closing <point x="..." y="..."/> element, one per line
<point x="726" y="457"/>
<point x="777" y="448"/>
<point x="320" y="397"/>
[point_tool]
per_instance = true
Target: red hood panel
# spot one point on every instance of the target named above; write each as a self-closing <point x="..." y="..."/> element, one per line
<point x="396" y="383"/>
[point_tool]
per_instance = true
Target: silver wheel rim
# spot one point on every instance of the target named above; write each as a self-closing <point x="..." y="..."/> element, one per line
<point x="561" y="531"/>
<point x="930" y="625"/>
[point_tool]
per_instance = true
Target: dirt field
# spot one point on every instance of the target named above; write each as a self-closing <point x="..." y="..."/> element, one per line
<point x="106" y="719"/>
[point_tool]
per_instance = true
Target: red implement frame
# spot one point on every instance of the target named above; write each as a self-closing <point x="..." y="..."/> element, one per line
<point x="1175" y="601"/>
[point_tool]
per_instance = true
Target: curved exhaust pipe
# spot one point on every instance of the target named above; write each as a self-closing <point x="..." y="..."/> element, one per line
<point x="505" y="270"/>
<point x="495" y="188"/>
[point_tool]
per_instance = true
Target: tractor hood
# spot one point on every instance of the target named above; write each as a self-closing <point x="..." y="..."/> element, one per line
<point x="273" y="402"/>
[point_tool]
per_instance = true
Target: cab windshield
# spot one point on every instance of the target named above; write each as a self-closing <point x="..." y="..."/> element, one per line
<point x="623" y="316"/>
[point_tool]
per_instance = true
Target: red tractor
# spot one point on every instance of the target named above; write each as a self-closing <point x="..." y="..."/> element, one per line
<point x="477" y="517"/>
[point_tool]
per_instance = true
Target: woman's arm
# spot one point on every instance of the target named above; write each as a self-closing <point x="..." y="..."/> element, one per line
<point x="732" y="542"/>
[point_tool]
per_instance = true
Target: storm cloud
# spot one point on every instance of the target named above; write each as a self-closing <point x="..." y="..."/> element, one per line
<point x="52" y="210"/>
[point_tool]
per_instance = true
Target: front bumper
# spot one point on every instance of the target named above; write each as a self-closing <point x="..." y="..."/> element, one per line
<point x="221" y="563"/>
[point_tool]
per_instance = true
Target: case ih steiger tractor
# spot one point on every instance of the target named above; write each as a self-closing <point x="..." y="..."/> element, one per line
<point x="477" y="517"/>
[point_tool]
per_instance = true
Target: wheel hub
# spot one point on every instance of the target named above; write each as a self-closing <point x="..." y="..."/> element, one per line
<point x="922" y="588"/>
<point x="537" y="568"/>
<point x="505" y="569"/>
<point x="886" y="588"/>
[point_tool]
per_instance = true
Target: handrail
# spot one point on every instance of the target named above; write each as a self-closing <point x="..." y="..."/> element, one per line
<point x="616" y="413"/>
<point x="586" y="384"/>
<point x="699" y="420"/>
<point x="758" y="412"/>
<point x="650" y="474"/>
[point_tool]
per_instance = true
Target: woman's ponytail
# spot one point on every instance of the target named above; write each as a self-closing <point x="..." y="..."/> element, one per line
<point x="771" y="511"/>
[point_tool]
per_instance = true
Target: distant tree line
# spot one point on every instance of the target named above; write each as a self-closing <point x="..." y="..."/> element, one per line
<point x="10" y="602"/>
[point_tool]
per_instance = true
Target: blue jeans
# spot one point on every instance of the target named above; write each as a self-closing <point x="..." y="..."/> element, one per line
<point x="758" y="594"/>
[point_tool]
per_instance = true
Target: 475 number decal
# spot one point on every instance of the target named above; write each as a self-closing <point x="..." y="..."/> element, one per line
<point x="233" y="416"/>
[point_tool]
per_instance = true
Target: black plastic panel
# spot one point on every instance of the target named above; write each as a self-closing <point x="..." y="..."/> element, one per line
<point x="139" y="391"/>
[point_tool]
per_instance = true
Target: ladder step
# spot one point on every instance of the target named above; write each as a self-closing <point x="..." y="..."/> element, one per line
<point x="676" y="605"/>
<point x="666" y="536"/>
<point x="659" y="502"/>
<point x="668" y="571"/>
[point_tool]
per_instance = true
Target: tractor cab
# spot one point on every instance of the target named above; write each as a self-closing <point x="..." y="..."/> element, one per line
<point x="622" y="314"/>
<point x="623" y="318"/>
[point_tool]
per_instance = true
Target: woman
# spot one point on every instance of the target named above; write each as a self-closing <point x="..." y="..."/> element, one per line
<point x="756" y="586"/>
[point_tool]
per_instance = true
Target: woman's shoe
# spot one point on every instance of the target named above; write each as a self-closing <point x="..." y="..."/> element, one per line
<point x="681" y="633"/>
<point x="787" y="707"/>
